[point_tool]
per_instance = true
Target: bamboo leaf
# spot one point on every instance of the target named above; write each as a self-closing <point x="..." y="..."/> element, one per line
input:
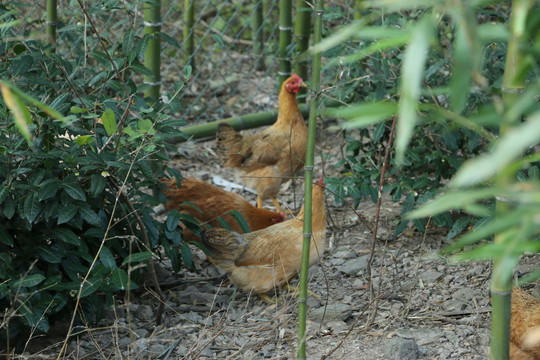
<point x="20" y="112"/>
<point x="240" y="220"/>
<point x="509" y="147"/>
<point x="493" y="227"/>
<point x="109" y="121"/>
<point x="412" y="75"/>
<point x="363" y="115"/>
<point x="461" y="80"/>
<point x="453" y="200"/>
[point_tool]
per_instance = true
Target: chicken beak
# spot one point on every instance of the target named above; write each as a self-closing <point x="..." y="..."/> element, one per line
<point x="303" y="85"/>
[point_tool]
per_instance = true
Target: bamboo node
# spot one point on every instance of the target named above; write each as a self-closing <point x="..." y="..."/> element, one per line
<point x="308" y="168"/>
<point x="501" y="293"/>
<point x="50" y="23"/>
<point x="318" y="12"/>
<point x="308" y="234"/>
<point x="302" y="300"/>
<point x="284" y="73"/>
<point x="149" y="24"/>
<point x="512" y="90"/>
<point x="285" y="28"/>
<point x="158" y="83"/>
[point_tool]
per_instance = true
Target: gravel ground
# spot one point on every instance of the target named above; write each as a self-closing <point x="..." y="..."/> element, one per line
<point x="427" y="306"/>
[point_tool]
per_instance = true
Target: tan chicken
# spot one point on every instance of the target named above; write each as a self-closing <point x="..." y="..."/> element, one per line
<point x="206" y="203"/>
<point x="269" y="157"/>
<point x="524" y="326"/>
<point x="262" y="260"/>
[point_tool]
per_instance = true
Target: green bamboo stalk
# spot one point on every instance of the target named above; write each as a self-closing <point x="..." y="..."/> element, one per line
<point x="258" y="35"/>
<point x="308" y="175"/>
<point x="244" y="122"/>
<point x="152" y="58"/>
<point x="189" y="42"/>
<point x="515" y="70"/>
<point x="302" y="29"/>
<point x="51" y="23"/>
<point x="285" y="34"/>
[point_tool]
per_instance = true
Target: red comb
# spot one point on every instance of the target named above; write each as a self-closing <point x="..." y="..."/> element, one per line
<point x="320" y="182"/>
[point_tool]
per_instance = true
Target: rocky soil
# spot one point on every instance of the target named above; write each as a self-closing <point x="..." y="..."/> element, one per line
<point x="424" y="305"/>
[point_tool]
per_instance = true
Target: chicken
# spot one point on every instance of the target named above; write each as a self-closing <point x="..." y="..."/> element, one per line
<point x="268" y="158"/>
<point x="261" y="260"/>
<point x="206" y="203"/>
<point x="524" y="326"/>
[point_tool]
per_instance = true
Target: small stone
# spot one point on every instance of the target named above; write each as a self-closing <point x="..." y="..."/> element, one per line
<point x="431" y="275"/>
<point x="144" y="312"/>
<point x="332" y="312"/>
<point x="403" y="349"/>
<point x="354" y="266"/>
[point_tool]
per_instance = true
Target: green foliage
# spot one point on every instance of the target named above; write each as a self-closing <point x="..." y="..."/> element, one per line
<point x="79" y="151"/>
<point x="441" y="76"/>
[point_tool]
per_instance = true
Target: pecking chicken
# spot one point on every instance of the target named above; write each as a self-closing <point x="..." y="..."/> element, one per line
<point x="268" y="258"/>
<point x="269" y="157"/>
<point x="214" y="202"/>
<point x="524" y="326"/>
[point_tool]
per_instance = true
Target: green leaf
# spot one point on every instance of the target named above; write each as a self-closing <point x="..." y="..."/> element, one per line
<point x="109" y="121"/>
<point x="5" y="238"/>
<point x="240" y="220"/>
<point x="412" y="75"/>
<point x="458" y="227"/>
<point x="84" y="139"/>
<point x="461" y="80"/>
<point x="453" y="200"/>
<point x="97" y="184"/>
<point x="146" y="126"/>
<point x="506" y="149"/>
<point x="119" y="278"/>
<point x="92" y="285"/>
<point x="4" y="191"/>
<point x="187" y="255"/>
<point x="489" y="229"/>
<point x="137" y="257"/>
<point x="173" y="218"/>
<point x="66" y="213"/>
<point x="66" y="235"/>
<point x="48" y="189"/>
<point x="363" y="115"/>
<point x="107" y="258"/>
<point x="16" y="106"/>
<point x="88" y="214"/>
<point x="32" y="206"/>
<point x="77" y="110"/>
<point x="29" y="281"/>
<point x="74" y="191"/>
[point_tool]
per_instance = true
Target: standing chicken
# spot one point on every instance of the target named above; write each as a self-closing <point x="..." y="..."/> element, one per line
<point x="206" y="203"/>
<point x="524" y="326"/>
<point x="268" y="258"/>
<point x="269" y="157"/>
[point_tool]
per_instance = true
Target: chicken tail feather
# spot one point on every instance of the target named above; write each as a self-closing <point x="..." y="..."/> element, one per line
<point x="223" y="244"/>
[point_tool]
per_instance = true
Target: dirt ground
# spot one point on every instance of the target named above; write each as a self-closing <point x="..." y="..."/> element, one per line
<point x="428" y="307"/>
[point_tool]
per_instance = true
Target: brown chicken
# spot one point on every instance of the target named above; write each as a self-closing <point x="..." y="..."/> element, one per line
<point x="269" y="157"/>
<point x="524" y="326"/>
<point x="261" y="260"/>
<point x="214" y="202"/>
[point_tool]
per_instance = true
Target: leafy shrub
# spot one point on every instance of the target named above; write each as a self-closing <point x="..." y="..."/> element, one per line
<point x="76" y="164"/>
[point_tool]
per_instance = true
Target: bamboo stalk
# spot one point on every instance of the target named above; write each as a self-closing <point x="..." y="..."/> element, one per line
<point x="52" y="18"/>
<point x="308" y="175"/>
<point x="258" y="35"/>
<point x="285" y="32"/>
<point x="152" y="59"/>
<point x="189" y="43"/>
<point x="358" y="7"/>
<point x="244" y="122"/>
<point x="302" y="29"/>
<point x="515" y="70"/>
